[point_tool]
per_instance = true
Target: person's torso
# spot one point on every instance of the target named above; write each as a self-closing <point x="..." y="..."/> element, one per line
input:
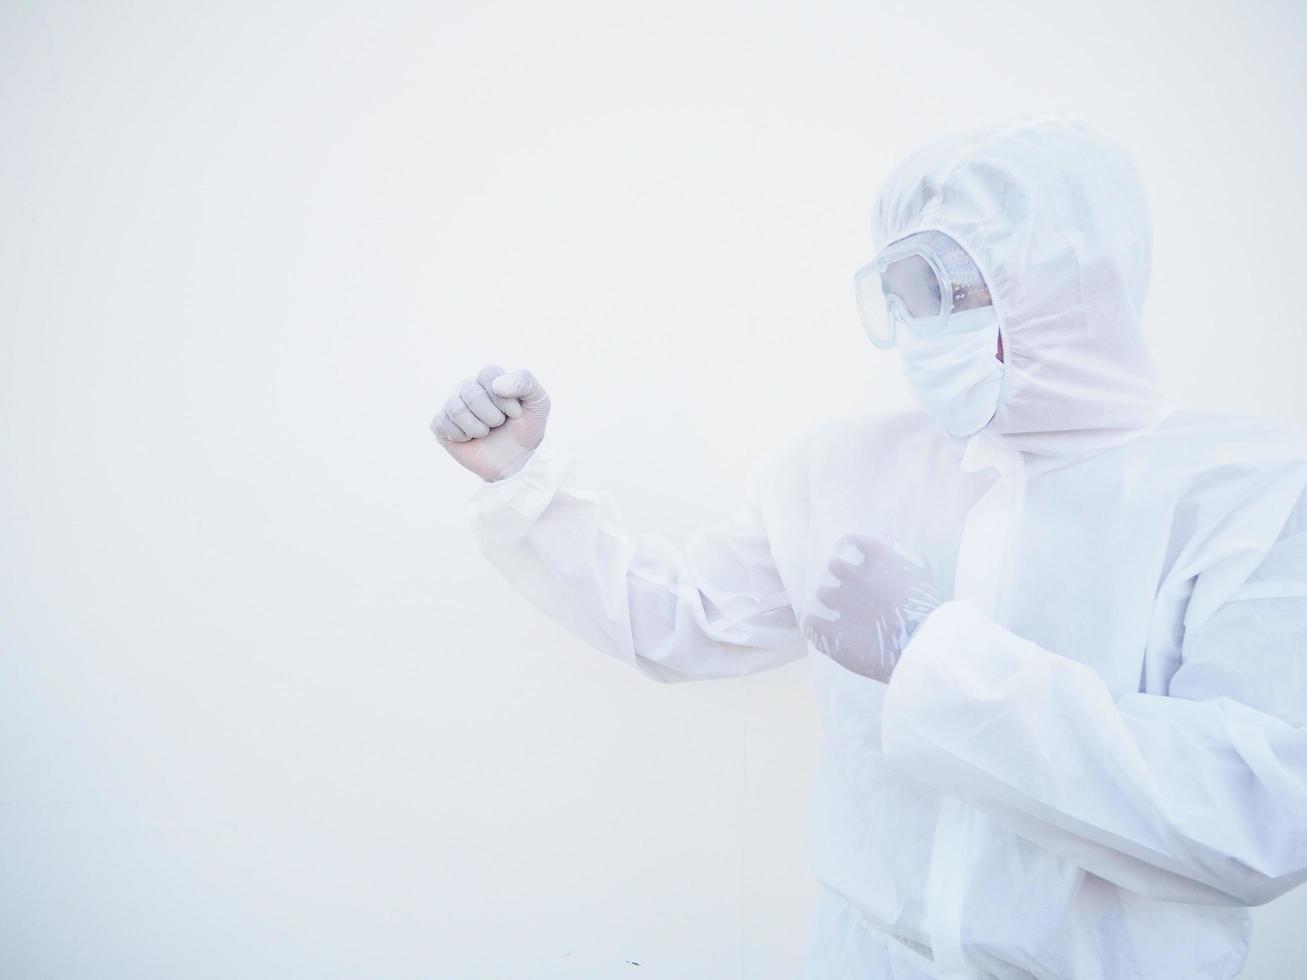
<point x="1077" y="560"/>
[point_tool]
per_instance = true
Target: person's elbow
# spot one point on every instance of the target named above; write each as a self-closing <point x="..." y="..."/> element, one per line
<point x="1261" y="875"/>
<point x="1250" y="887"/>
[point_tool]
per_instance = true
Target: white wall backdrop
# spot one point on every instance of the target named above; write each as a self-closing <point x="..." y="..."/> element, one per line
<point x="263" y="710"/>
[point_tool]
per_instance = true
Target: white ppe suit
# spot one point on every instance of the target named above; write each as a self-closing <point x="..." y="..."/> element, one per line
<point x="1093" y="755"/>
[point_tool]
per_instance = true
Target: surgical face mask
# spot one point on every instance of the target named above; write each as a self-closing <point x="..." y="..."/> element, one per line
<point x="956" y="374"/>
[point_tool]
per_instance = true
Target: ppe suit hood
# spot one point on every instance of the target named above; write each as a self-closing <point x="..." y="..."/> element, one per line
<point x="1057" y="221"/>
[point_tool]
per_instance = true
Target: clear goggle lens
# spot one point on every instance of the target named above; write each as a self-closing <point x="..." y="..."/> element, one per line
<point x="890" y="293"/>
<point x="922" y="278"/>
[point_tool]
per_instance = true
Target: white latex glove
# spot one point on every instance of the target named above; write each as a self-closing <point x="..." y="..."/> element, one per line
<point x="875" y="605"/>
<point x="493" y="423"/>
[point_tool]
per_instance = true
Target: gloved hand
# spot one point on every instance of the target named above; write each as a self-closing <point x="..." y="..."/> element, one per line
<point x="875" y="605"/>
<point x="494" y="423"/>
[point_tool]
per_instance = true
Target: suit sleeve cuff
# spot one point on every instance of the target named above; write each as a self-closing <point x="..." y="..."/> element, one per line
<point x="505" y="510"/>
<point x="957" y="665"/>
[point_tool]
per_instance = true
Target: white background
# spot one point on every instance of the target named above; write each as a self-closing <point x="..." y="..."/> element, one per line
<point x="264" y="712"/>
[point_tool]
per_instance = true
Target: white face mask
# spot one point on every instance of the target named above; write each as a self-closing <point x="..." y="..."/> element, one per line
<point x="956" y="374"/>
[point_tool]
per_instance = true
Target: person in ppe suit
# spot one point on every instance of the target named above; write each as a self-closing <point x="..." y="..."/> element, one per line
<point x="1057" y="629"/>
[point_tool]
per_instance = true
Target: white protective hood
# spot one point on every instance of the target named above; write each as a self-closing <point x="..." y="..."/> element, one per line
<point x="1057" y="221"/>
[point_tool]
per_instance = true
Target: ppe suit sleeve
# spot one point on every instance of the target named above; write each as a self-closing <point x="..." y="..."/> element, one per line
<point x="715" y="609"/>
<point x="1199" y="796"/>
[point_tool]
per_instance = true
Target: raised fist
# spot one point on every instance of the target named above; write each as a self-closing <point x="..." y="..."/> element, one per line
<point x="493" y="423"/>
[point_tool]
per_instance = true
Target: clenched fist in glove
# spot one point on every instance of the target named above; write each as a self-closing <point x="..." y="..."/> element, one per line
<point x="494" y="423"/>
<point x="874" y="607"/>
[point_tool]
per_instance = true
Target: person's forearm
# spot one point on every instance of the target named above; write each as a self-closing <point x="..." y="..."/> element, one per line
<point x="1194" y="801"/>
<point x="714" y="609"/>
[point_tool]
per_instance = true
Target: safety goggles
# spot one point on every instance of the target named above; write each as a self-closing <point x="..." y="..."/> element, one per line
<point x="917" y="282"/>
